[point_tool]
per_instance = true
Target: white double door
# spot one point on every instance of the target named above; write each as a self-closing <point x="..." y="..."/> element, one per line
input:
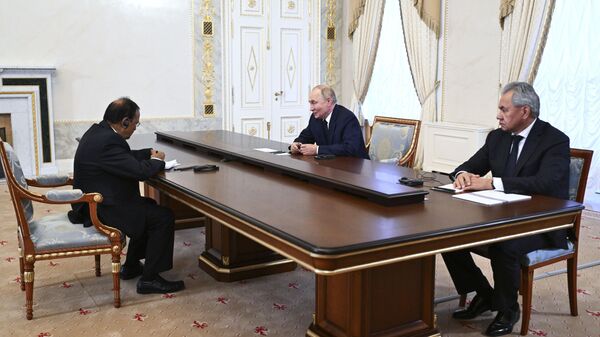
<point x="270" y="68"/>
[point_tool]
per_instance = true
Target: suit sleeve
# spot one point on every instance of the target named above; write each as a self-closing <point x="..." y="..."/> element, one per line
<point x="141" y="154"/>
<point x="306" y="136"/>
<point x="352" y="143"/>
<point x="120" y="161"/>
<point x="552" y="177"/>
<point x="479" y="163"/>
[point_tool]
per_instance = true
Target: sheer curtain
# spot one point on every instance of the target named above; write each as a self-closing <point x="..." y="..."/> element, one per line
<point x="568" y="81"/>
<point x="391" y="92"/>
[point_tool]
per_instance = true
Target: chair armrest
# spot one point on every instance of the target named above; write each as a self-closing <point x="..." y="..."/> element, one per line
<point x="64" y="195"/>
<point x="50" y="180"/>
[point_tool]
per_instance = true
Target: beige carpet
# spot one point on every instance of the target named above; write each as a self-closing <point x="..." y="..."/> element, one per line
<point x="70" y="301"/>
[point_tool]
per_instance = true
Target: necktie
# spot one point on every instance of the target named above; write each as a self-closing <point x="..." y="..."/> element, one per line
<point x="511" y="163"/>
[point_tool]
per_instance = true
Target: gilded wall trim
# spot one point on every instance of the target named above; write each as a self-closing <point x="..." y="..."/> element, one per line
<point x="330" y="36"/>
<point x="208" y="69"/>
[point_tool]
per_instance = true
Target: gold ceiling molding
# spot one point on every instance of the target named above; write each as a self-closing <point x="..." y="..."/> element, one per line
<point x="330" y="38"/>
<point x="208" y="68"/>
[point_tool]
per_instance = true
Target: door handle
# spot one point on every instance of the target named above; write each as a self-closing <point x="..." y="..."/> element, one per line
<point x="277" y="94"/>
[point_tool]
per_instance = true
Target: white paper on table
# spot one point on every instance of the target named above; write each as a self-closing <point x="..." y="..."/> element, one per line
<point x="491" y="197"/>
<point x="170" y="164"/>
<point x="266" y="149"/>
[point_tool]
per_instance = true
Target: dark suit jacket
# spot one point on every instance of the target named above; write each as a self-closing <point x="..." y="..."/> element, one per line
<point x="104" y="163"/>
<point x="542" y="167"/>
<point x="344" y="137"/>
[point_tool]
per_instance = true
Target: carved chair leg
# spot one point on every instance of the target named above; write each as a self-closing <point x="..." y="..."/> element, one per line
<point x="116" y="267"/>
<point x="463" y="300"/>
<point x="28" y="276"/>
<point x="97" y="261"/>
<point x="572" y="283"/>
<point x="526" y="291"/>
<point x="21" y="269"/>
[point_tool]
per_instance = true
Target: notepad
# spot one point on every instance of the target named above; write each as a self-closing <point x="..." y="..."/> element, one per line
<point x="491" y="197"/>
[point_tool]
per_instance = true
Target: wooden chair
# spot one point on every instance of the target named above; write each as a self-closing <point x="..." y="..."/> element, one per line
<point x="579" y="169"/>
<point x="393" y="140"/>
<point x="54" y="236"/>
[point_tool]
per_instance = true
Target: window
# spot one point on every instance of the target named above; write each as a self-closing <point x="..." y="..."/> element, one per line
<point x="568" y="81"/>
<point x="391" y="90"/>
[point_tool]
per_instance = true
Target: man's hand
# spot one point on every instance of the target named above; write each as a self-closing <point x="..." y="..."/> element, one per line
<point x="295" y="147"/>
<point x="157" y="154"/>
<point x="308" y="149"/>
<point x="472" y="182"/>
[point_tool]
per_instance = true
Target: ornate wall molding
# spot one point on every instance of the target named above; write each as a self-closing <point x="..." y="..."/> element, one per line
<point x="330" y="37"/>
<point x="208" y="70"/>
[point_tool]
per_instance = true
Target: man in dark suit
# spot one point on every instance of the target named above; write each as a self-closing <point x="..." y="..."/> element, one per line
<point x="104" y="163"/>
<point x="332" y="129"/>
<point x="525" y="155"/>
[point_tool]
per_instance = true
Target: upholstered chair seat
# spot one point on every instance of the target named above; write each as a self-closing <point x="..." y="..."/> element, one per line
<point x="54" y="236"/>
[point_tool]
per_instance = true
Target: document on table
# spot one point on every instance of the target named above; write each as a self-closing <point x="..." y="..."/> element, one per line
<point x="491" y="197"/>
<point x="448" y="188"/>
<point x="170" y="164"/>
<point x="273" y="151"/>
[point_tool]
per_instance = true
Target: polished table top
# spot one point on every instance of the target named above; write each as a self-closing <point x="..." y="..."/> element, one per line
<point x="235" y="146"/>
<point x="317" y="222"/>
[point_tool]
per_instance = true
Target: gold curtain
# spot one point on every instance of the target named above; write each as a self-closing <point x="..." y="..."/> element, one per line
<point x="357" y="8"/>
<point x="506" y="8"/>
<point x="429" y="11"/>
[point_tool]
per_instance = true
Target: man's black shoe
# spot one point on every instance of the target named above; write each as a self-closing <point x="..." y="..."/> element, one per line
<point x="503" y="323"/>
<point x="478" y="305"/>
<point x="158" y="285"/>
<point x="129" y="272"/>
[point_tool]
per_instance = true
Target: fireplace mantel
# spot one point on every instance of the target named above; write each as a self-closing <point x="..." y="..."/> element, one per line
<point x="26" y="95"/>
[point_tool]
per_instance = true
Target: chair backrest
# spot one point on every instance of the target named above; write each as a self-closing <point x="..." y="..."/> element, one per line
<point x="14" y="176"/>
<point x="581" y="161"/>
<point x="394" y="140"/>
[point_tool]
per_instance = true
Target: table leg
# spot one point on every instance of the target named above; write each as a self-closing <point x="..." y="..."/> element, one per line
<point x="390" y="300"/>
<point x="230" y="256"/>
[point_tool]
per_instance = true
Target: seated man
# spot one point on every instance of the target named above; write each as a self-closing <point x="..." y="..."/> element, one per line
<point x="332" y="129"/>
<point x="525" y="155"/>
<point x="104" y="163"/>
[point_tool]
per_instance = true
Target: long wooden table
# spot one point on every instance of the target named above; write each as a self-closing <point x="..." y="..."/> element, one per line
<point x="374" y="264"/>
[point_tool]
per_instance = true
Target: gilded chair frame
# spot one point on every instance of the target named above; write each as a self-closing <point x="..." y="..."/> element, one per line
<point x="28" y="254"/>
<point x="527" y="272"/>
<point x="408" y="158"/>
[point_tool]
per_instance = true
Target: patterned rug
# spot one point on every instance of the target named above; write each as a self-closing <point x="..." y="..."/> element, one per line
<point x="70" y="301"/>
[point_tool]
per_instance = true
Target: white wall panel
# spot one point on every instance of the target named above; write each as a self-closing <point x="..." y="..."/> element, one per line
<point x="105" y="49"/>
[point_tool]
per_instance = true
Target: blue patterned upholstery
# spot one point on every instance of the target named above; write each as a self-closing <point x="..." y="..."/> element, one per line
<point x="57" y="232"/>
<point x="64" y="195"/>
<point x="542" y="255"/>
<point x="20" y="177"/>
<point x="574" y="175"/>
<point x="52" y="179"/>
<point x="390" y="141"/>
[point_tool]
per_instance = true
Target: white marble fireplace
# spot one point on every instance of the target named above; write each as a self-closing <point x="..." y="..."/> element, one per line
<point x="26" y="95"/>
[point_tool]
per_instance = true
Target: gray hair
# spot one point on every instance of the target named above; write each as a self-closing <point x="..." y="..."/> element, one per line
<point x="524" y="95"/>
<point x="327" y="92"/>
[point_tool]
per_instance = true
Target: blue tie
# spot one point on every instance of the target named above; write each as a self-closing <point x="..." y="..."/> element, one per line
<point x="511" y="163"/>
